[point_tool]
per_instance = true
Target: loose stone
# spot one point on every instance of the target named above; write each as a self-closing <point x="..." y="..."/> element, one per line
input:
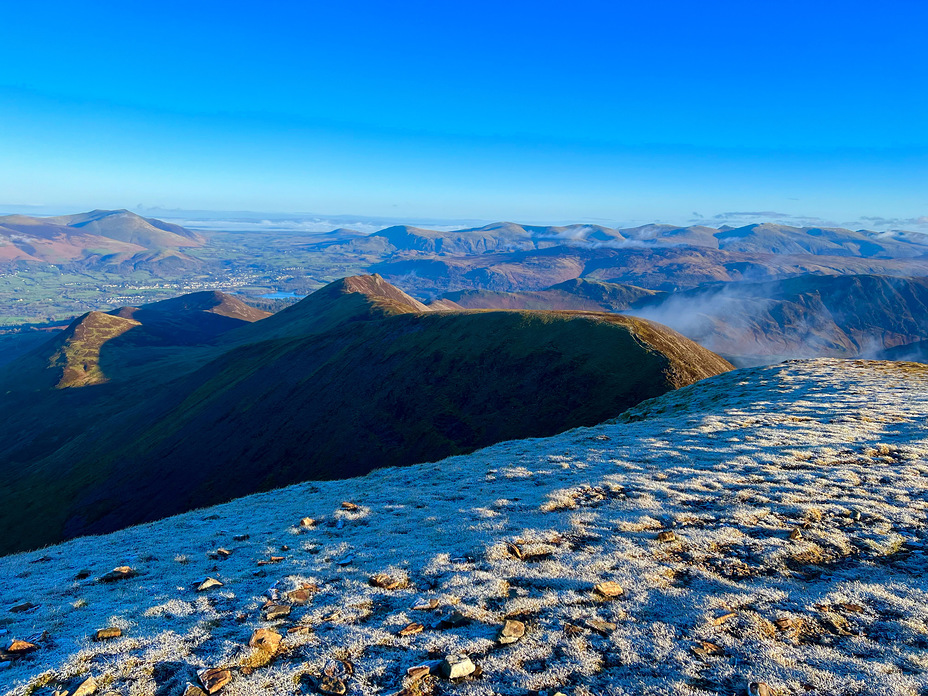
<point x="457" y="666"/>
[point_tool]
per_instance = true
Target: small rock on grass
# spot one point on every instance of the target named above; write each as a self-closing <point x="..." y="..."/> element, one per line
<point x="214" y="679"/>
<point x="193" y="690"/>
<point x="302" y="595"/>
<point x="276" y="611"/>
<point x="208" y="584"/>
<point x="457" y="667"/>
<point x="511" y="631"/>
<point x="760" y="689"/>
<point x="21" y="647"/>
<point x="307" y="522"/>
<point x="332" y="685"/>
<point x="609" y="589"/>
<point x="602" y="627"/>
<point x="666" y="536"/>
<point x="119" y="573"/>
<point x="351" y="507"/>
<point x="23" y="607"/>
<point x="704" y="649"/>
<point x="418" y="672"/>
<point x="86" y="687"/>
<point x="411" y="630"/>
<point x="107" y="634"/>
<point x="266" y="640"/>
<point x="387" y="582"/>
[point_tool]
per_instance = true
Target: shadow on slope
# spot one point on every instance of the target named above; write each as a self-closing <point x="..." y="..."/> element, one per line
<point x="404" y="388"/>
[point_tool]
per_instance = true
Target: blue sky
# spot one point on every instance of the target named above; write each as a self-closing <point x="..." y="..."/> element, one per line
<point x="541" y="111"/>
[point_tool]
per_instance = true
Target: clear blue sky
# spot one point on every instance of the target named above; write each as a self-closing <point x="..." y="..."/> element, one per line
<point x="519" y="110"/>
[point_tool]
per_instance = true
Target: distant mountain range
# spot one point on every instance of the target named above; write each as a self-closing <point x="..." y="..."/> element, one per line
<point x="759" y="238"/>
<point x="116" y="238"/>
<point x="139" y="413"/>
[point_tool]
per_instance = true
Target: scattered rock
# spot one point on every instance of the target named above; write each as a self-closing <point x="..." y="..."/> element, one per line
<point x="351" y="507"/>
<point x="220" y="554"/>
<point x="241" y="537"/>
<point x="307" y="522"/>
<point x="706" y="649"/>
<point x="727" y="615"/>
<point x="270" y="561"/>
<point x="666" y="536"/>
<point x="600" y="626"/>
<point x="760" y="689"/>
<point x="107" y="634"/>
<point x="23" y="607"/>
<point x="208" y="584"/>
<point x="513" y="550"/>
<point x="21" y="647"/>
<point x="214" y="679"/>
<point x="331" y="685"/>
<point x="347" y="560"/>
<point x="511" y="631"/>
<point x="837" y="624"/>
<point x="784" y="623"/>
<point x="457" y="667"/>
<point x="191" y="689"/>
<point x="411" y="630"/>
<point x="796" y="534"/>
<point x="852" y="608"/>
<point x="266" y="640"/>
<point x="276" y="611"/>
<point x="418" y="672"/>
<point x="388" y="582"/>
<point x="303" y="594"/>
<point x="86" y="687"/>
<point x="83" y="574"/>
<point x="430" y="605"/>
<point x="609" y="589"/>
<point x="120" y="573"/>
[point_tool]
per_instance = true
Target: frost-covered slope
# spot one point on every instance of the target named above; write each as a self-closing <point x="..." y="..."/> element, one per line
<point x="732" y="465"/>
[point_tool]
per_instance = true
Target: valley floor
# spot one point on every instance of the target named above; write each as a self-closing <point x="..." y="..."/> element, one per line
<point x="525" y="530"/>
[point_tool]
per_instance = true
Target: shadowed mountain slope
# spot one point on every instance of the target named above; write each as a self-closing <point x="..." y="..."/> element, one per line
<point x="408" y="388"/>
<point x="98" y="346"/>
<point x="390" y="385"/>
<point x="577" y="294"/>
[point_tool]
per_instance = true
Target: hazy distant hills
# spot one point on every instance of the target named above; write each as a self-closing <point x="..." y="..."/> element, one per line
<point x="509" y="257"/>
<point x="330" y="390"/>
<point x="759" y="238"/>
<point x="799" y="317"/>
<point x="115" y="238"/>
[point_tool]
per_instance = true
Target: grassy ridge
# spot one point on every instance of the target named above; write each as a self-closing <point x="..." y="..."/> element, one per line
<point x="395" y="389"/>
